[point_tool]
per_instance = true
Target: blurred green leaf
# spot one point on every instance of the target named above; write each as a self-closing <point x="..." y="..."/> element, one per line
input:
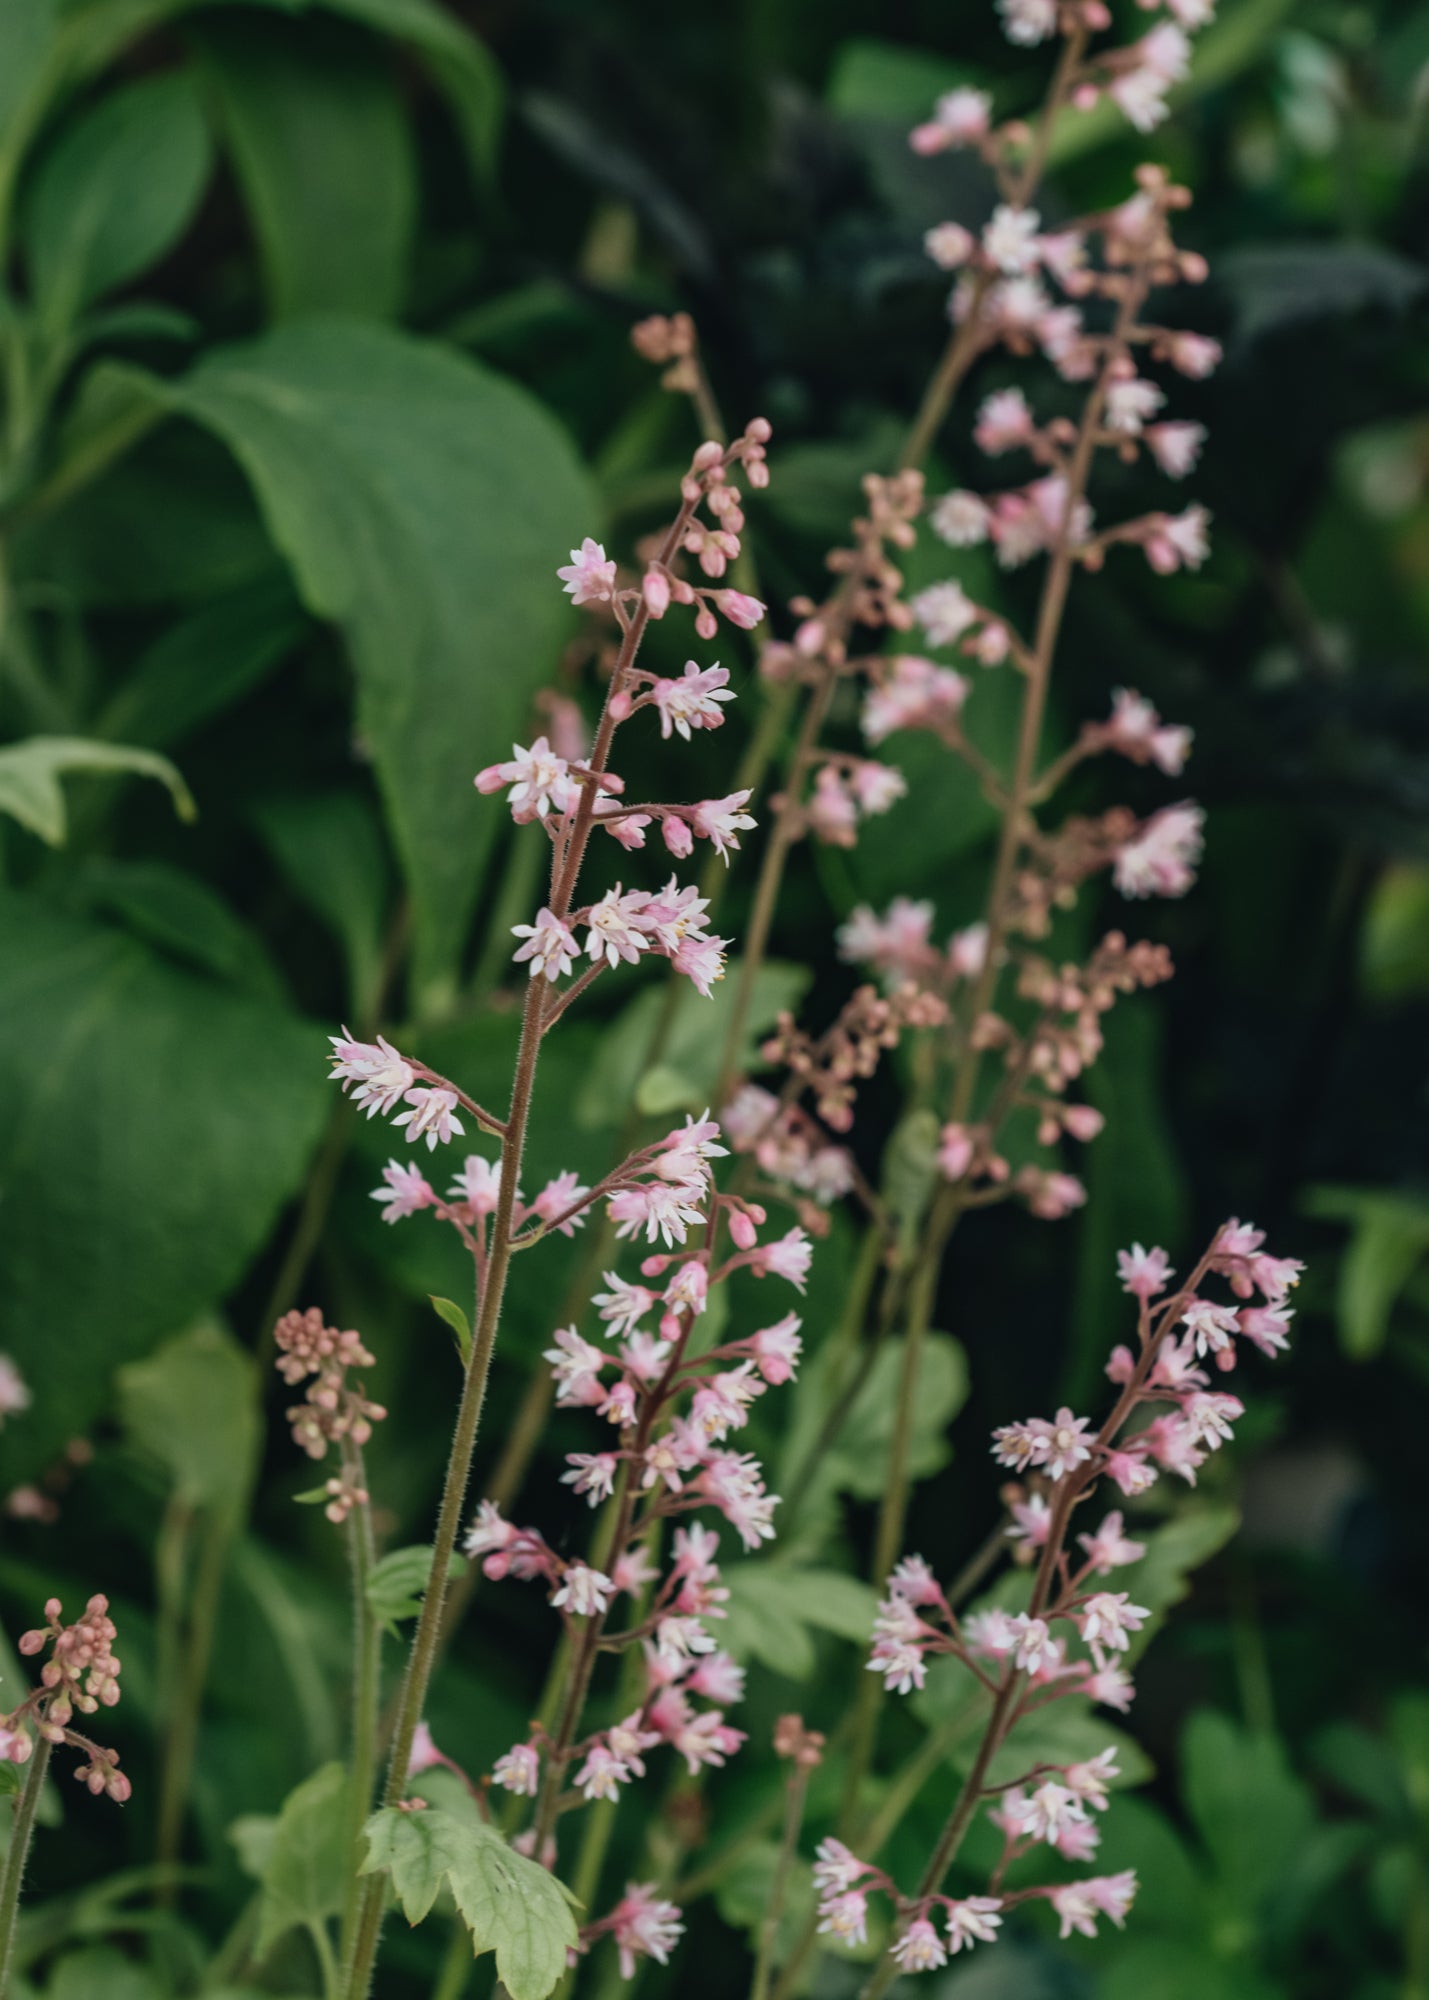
<point x="774" y="1608"/>
<point x="1389" y="1240"/>
<point x="329" y="845"/>
<point x="193" y="1406"/>
<point x="306" y="1869"/>
<point x="123" y="1212"/>
<point x="1251" y="1811"/>
<point x="424" y="504"/>
<point x="322" y="148"/>
<point x="399" y="1582"/>
<point x="181" y="915"/>
<point x="858" y="1463"/>
<point x="204" y="663"/>
<point x="1394" y="944"/>
<point x="30" y="774"/>
<point x="114" y="193"/>
<point x="688" y="1071"/>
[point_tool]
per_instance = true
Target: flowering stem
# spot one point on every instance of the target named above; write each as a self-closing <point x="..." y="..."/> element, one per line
<point x="795" y="1793"/>
<point x="366" y="1670"/>
<point x="18" y="1854"/>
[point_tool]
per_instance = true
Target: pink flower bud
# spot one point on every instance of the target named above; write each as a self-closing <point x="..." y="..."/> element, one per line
<point x="707" y="625"/>
<point x="620" y="705"/>
<point x="1082" y="1121"/>
<point x="656" y="589"/>
<point x="740" y="610"/>
<point x="677" y="837"/>
<point x="741" y="1228"/>
<point x="710" y="453"/>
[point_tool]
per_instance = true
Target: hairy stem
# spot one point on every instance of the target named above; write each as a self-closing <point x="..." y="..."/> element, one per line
<point x="17" y="1856"/>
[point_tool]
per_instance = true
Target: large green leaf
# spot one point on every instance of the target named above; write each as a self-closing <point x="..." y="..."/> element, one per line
<point x="323" y="151"/>
<point x="30" y="774"/>
<point x="512" y="1906"/>
<point x="424" y="505"/>
<point x="1250" y="1809"/>
<point x="193" y="1406"/>
<point x="151" y="1124"/>
<point x="774" y="1608"/>
<point x="1389" y="1241"/>
<point x="306" y="1862"/>
<point x="114" y="193"/>
<point x="329" y="845"/>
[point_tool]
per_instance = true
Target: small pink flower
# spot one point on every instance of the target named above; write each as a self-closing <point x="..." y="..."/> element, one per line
<point x="550" y="946"/>
<point x="589" y="578"/>
<point x="584" y="1592"/>
<point x="777" y="1349"/>
<point x="519" y="1771"/>
<point x="788" y="1258"/>
<point x="1003" y="422"/>
<point x="405" y="1191"/>
<point x="960" y="118"/>
<point x="722" y="821"/>
<point x="692" y="702"/>
<point x="644" y="1925"/>
<point x="739" y="608"/>
<point x="1143" y="1273"/>
<point x="973" y="1920"/>
<point x="1161" y="859"/>
<point x="539" y="781"/>
<point x="920" y="1949"/>
<point x="1109" y="1548"/>
<point x="945" y="611"/>
<point x="955" y="1151"/>
<point x="593" y="1474"/>
<point x="433" y="1116"/>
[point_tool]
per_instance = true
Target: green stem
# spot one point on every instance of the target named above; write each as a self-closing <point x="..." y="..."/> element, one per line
<point x="182" y="1723"/>
<point x="456" y="1966"/>
<point x="366" y="1680"/>
<point x="327" y="1962"/>
<point x="17" y="1856"/>
<point x="783" y="1868"/>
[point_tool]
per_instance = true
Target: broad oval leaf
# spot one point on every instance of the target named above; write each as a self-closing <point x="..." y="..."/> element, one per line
<point x="305" y="1873"/>
<point x="424" y="504"/>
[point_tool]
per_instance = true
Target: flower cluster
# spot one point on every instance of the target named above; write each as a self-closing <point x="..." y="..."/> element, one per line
<point x="1074" y="1634"/>
<point x="81" y="1673"/>
<point x="334" y="1409"/>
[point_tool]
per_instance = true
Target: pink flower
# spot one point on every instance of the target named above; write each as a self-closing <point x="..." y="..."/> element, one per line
<point x="777" y="1349"/>
<point x="425" y="1754"/>
<point x="949" y="244"/>
<point x="945" y="611"/>
<point x="837" y="1868"/>
<point x="973" y="1920"/>
<point x="1009" y="240"/>
<point x="1143" y="1273"/>
<point x="788" y="1258"/>
<point x="960" y="118"/>
<point x="602" y="1774"/>
<point x="519" y="1771"/>
<point x="538" y="778"/>
<point x="433" y="1116"/>
<point x="1108" y="1548"/>
<point x="575" y="1368"/>
<point x="1031" y="1522"/>
<point x="615" y="931"/>
<point x="961" y="520"/>
<point x="380" y="1073"/>
<point x="1212" y="1327"/>
<point x="723" y="820"/>
<point x="845" y="1917"/>
<point x="1035" y="1644"/>
<point x="550" y="946"/>
<point x="896" y="943"/>
<point x="404" y="1192"/>
<point x="1179" y="541"/>
<point x="1107" y="1620"/>
<point x="1138" y="732"/>
<point x="717" y="1678"/>
<point x="1089" y="1780"/>
<point x="593" y="1474"/>
<point x="556" y="1197"/>
<point x="623" y="1306"/>
<point x="1079" y="1904"/>
<point x="1161" y="859"/>
<point x="1003" y="422"/>
<point x="913" y="693"/>
<point x="644" y="1925"/>
<point x="1194" y="354"/>
<point x="1176" y="447"/>
<point x="1268" y="1327"/>
<point x="1050" y="1195"/>
<point x="478" y="1185"/>
<point x="920" y="1948"/>
<point x="584" y="1592"/>
<point x="955" y="1151"/>
<point x="590" y="578"/>
<point x="1028" y="22"/>
<point x="693" y="701"/>
<point x="15" y="1394"/>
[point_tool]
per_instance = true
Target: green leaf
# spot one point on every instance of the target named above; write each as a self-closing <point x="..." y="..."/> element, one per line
<point x="151" y="1125"/>
<point x="398" y="1583"/>
<point x="193" y="1406"/>
<point x="181" y="915"/>
<point x="1389" y="1240"/>
<point x="1161" y="1578"/>
<point x="694" y="1042"/>
<point x="859" y="1461"/>
<point x="456" y="1319"/>
<point x="205" y="663"/>
<point x="10" y="1780"/>
<point x="306" y="1870"/>
<point x="322" y="149"/>
<point x="423" y="504"/>
<point x="330" y="847"/>
<point x="511" y="1906"/>
<point x="30" y="774"/>
<point x="773" y="1607"/>
<point x="1251" y="1811"/>
<point x="114" y="193"/>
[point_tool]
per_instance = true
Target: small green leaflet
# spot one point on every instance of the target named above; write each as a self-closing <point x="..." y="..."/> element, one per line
<point x="398" y="1583"/>
<point x="456" y="1319"/>
<point x="511" y="1906"/>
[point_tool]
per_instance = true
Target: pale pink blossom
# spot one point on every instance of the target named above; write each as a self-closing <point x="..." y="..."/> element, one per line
<point x="478" y="1185"/>
<point x="1143" y="1273"/>
<point x="837" y="1868"/>
<point x="973" y="1920"/>
<point x="845" y="1917"/>
<point x="740" y="609"/>
<point x="1107" y="1620"/>
<point x="913" y="693"/>
<point x="602" y="1774"/>
<point x="722" y="821"/>
<point x="405" y="1190"/>
<point x="1031" y="1522"/>
<point x="949" y="245"/>
<point x="1109" y="1548"/>
<point x="623" y="1306"/>
<point x="1194" y="354"/>
<point x="1009" y="241"/>
<point x="956" y="1147"/>
<point x="1176" y="447"/>
<point x="1161" y="859"/>
<point x="575" y="1368"/>
<point x="919" y="1949"/>
<point x="433" y="1115"/>
<point x="593" y="1473"/>
<point x="1179" y="541"/>
<point x="960" y="118"/>
<point x="381" y="1074"/>
<point x="960" y="519"/>
<point x="1028" y="22"/>
<point x="558" y="1195"/>
<point x="644" y="1925"/>
<point x="1079" y="1904"/>
<point x="1212" y="1327"/>
<point x="519" y="1771"/>
<point x="15" y="1393"/>
<point x="692" y="702"/>
<point x="539" y="781"/>
<point x="584" y="1592"/>
<point x="945" y="611"/>
<point x="590" y="577"/>
<point x="615" y="928"/>
<point x="550" y="946"/>
<point x="789" y="1258"/>
<point x="777" y="1349"/>
<point x="1003" y="422"/>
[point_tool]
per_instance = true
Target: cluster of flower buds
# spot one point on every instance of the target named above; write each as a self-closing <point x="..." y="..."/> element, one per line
<point x="334" y="1409"/>
<point x="82" y="1672"/>
<point x="870" y="588"/>
<point x="845" y="1883"/>
<point x="671" y="1454"/>
<point x="671" y="343"/>
<point x="792" y="1152"/>
<point x="831" y="1066"/>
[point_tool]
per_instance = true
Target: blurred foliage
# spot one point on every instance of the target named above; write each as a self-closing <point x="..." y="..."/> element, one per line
<point x="314" y="364"/>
